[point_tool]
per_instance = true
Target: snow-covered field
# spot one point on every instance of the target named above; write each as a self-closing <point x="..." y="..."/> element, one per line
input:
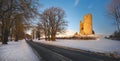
<point x="17" y="51"/>
<point x="102" y="45"/>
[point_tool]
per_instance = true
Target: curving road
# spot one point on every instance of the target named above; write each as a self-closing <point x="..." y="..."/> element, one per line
<point x="53" y="53"/>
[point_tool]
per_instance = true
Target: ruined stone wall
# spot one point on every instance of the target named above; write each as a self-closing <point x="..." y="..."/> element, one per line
<point x="81" y="28"/>
<point x="86" y="25"/>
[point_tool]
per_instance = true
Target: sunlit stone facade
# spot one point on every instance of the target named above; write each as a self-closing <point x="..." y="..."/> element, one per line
<point x="81" y="28"/>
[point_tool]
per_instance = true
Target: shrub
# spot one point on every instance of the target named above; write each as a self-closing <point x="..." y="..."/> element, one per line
<point x="115" y="35"/>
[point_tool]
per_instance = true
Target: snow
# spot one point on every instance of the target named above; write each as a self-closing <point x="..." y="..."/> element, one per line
<point x="66" y="33"/>
<point x="17" y="51"/>
<point x="101" y="45"/>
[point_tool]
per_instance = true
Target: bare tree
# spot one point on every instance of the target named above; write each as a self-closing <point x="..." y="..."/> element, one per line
<point x="9" y="9"/>
<point x="38" y="33"/>
<point x="53" y="22"/>
<point x="113" y="10"/>
<point x="45" y="24"/>
<point x="18" y="28"/>
<point x="33" y="33"/>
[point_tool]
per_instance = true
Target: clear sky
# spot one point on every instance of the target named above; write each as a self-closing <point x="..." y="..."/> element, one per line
<point x="76" y="9"/>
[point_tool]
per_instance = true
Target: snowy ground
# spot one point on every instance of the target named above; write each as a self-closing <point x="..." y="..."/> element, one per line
<point x="17" y="51"/>
<point x="102" y="45"/>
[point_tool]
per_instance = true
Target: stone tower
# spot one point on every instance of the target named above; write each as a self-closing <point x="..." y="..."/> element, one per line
<point x="81" y="28"/>
<point x="86" y="25"/>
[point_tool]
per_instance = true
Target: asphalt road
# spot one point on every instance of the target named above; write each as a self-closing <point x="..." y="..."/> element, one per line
<point x="54" y="53"/>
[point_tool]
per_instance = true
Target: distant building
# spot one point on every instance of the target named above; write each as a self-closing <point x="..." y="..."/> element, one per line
<point x="86" y="25"/>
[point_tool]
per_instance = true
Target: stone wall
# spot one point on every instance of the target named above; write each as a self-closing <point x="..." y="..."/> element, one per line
<point x="81" y="28"/>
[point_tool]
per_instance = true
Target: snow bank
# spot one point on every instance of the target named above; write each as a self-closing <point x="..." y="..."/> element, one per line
<point x="17" y="51"/>
<point x="102" y="45"/>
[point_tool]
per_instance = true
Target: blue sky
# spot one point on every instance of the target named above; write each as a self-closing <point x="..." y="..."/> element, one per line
<point x="76" y="9"/>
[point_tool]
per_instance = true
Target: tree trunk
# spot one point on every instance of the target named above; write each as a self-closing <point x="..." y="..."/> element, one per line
<point x="2" y="37"/>
<point x="53" y="37"/>
<point x="5" y="37"/>
<point x="11" y="37"/>
<point x="46" y="36"/>
<point x="16" y="39"/>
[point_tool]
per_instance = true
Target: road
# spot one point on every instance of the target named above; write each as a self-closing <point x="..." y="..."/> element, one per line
<point x="54" y="53"/>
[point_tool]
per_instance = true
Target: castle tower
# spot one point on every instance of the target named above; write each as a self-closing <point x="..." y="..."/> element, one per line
<point x="81" y="28"/>
<point x="87" y="25"/>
